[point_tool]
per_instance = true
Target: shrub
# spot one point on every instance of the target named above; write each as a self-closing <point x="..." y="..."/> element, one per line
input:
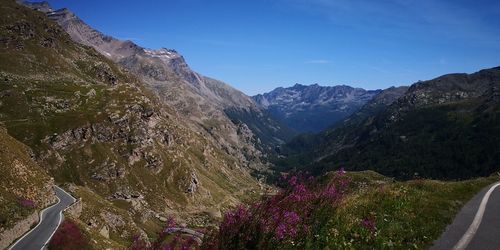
<point x="69" y="236"/>
<point x="26" y="202"/>
<point x="290" y="219"/>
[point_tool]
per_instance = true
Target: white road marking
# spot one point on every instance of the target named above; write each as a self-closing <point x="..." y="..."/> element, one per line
<point x="60" y="217"/>
<point x="40" y="222"/>
<point x="471" y="231"/>
<point x="58" y="224"/>
<point x="66" y="193"/>
<point x="41" y="219"/>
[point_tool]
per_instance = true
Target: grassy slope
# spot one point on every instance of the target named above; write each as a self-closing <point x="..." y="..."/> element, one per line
<point x="453" y="141"/>
<point x="356" y="210"/>
<point x="407" y="215"/>
<point x="94" y="208"/>
<point x="21" y="178"/>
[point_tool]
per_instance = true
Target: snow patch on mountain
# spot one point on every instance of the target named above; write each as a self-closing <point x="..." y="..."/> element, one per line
<point x="314" y="107"/>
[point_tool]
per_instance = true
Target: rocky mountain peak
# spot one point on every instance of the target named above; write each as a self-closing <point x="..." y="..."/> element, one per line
<point x="311" y="108"/>
<point x="61" y="14"/>
<point x="43" y="6"/>
<point x="163" y="53"/>
<point x="161" y="65"/>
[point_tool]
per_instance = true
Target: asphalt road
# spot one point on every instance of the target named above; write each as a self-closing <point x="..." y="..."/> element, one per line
<point x="197" y="236"/>
<point x="51" y="217"/>
<point x="477" y="225"/>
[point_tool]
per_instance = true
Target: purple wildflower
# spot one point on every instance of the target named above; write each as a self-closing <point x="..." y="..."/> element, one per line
<point x="288" y="215"/>
<point x="341" y="172"/>
<point x="25" y="202"/>
<point x="279" y="233"/>
<point x="369" y="224"/>
<point x="293" y="181"/>
<point x="170" y="222"/>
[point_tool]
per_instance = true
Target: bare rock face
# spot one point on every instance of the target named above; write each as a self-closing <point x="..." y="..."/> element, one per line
<point x="103" y="73"/>
<point x="112" y="220"/>
<point x="66" y="139"/>
<point x="104" y="232"/>
<point x="193" y="184"/>
<point x="22" y="30"/>
<point x="108" y="172"/>
<point x="75" y="209"/>
<point x="8" y="236"/>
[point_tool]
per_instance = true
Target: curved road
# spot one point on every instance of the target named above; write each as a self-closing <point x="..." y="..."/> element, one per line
<point x="477" y="225"/>
<point x="51" y="217"/>
<point x="197" y="236"/>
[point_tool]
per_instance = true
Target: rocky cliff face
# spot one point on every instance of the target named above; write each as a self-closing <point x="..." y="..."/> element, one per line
<point x="313" y="108"/>
<point x="200" y="99"/>
<point x="88" y="121"/>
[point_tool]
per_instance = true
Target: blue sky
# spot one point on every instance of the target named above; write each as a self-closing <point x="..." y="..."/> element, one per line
<point x="258" y="45"/>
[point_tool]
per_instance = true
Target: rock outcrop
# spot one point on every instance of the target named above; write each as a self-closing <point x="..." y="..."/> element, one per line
<point x="9" y="236"/>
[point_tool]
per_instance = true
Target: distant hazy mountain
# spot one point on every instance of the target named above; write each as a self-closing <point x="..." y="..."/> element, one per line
<point x="313" y="108"/>
<point x="448" y="127"/>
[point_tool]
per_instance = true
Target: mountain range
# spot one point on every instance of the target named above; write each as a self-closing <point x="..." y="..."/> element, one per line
<point x="446" y="128"/>
<point x="313" y="108"/>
